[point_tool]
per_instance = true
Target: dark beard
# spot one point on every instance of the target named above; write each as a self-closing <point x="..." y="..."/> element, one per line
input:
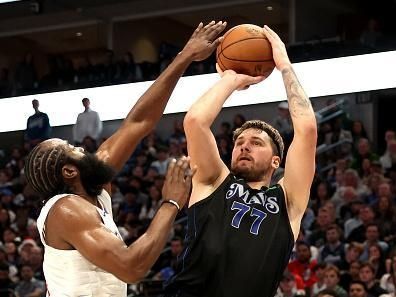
<point x="94" y="173"/>
<point x="247" y="174"/>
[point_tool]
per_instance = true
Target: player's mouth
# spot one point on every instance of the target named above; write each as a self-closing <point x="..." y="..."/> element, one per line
<point x="244" y="158"/>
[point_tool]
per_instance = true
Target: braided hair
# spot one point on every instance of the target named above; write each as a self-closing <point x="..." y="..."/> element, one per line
<point x="43" y="169"/>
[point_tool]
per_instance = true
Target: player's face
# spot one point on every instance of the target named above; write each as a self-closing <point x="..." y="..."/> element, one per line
<point x="252" y="156"/>
<point x="94" y="173"/>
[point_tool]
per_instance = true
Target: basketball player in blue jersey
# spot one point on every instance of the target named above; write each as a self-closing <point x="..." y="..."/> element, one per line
<point x="84" y="252"/>
<point x="241" y="229"/>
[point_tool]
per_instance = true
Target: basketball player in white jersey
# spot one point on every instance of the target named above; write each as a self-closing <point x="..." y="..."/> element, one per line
<point x="84" y="253"/>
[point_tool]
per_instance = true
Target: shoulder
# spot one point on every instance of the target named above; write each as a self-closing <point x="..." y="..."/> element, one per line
<point x="72" y="209"/>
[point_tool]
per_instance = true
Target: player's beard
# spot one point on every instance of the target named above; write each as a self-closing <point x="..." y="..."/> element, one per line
<point x="250" y="173"/>
<point x="94" y="173"/>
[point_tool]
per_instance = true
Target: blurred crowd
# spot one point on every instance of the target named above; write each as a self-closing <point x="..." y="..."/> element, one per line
<point x="65" y="73"/>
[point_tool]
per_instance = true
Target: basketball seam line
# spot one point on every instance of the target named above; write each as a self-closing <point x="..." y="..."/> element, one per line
<point x="247" y="61"/>
<point x="227" y="33"/>
<point x="249" y="38"/>
<point x="223" y="49"/>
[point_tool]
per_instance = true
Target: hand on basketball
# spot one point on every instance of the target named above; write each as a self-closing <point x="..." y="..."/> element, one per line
<point x="204" y="40"/>
<point x="177" y="183"/>
<point x="242" y="81"/>
<point x="279" y="52"/>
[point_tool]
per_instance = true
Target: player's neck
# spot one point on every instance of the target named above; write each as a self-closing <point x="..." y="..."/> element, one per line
<point x="79" y="190"/>
<point x="259" y="184"/>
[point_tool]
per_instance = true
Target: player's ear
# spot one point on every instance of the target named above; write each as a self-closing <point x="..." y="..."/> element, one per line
<point x="275" y="162"/>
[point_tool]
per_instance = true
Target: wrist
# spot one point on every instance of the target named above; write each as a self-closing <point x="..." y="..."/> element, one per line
<point x="185" y="56"/>
<point x="171" y="203"/>
<point x="231" y="79"/>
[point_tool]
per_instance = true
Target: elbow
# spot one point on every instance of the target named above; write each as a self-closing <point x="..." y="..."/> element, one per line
<point x="307" y="129"/>
<point x="191" y="120"/>
<point x="133" y="274"/>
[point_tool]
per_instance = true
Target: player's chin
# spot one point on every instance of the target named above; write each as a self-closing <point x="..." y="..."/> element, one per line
<point x="241" y="169"/>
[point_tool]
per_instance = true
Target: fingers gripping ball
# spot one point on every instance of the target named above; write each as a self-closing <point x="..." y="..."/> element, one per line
<point x="246" y="50"/>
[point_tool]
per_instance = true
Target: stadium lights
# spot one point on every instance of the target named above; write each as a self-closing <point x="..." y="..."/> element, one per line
<point x="319" y="78"/>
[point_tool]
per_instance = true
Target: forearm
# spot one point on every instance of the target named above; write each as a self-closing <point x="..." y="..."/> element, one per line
<point x="300" y="107"/>
<point x="150" y="107"/>
<point x="149" y="246"/>
<point x="205" y="110"/>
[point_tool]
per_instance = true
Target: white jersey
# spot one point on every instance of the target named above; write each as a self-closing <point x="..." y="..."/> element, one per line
<point x="68" y="273"/>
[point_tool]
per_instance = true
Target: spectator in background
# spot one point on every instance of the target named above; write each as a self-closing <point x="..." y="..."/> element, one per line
<point x="225" y="131"/>
<point x="333" y="252"/>
<point x="322" y="194"/>
<point x="5" y="282"/>
<point x="372" y="234"/>
<point x="371" y="36"/>
<point x="238" y="121"/>
<point x="353" y="222"/>
<point x="388" y="159"/>
<point x="130" y="71"/>
<point x="303" y="267"/>
<point x="366" y="217"/>
<point x="35" y="261"/>
<point x="389" y="136"/>
<point x="358" y="289"/>
<point x="363" y="152"/>
<point x="88" y="124"/>
<point x="350" y="178"/>
<point x="385" y="217"/>
<point x="29" y="286"/>
<point x="367" y="276"/>
<point x="161" y="164"/>
<point x="38" y="126"/>
<point x="166" y="264"/>
<point x="388" y="280"/>
<point x="357" y="132"/>
<point x="332" y="279"/>
<point x="351" y="275"/>
<point x="377" y="259"/>
<point x="339" y="134"/>
<point x="373" y="183"/>
<point x="284" y="124"/>
<point x="287" y="286"/>
<point x="323" y="221"/>
<point x="320" y="274"/>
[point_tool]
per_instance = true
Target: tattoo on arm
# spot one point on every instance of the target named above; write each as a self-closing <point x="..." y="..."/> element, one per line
<point x="299" y="104"/>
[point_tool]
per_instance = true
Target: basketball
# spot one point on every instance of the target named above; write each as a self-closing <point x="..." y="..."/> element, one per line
<point x="246" y="50"/>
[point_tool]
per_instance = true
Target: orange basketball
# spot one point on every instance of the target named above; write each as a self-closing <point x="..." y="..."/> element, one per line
<point x="245" y="49"/>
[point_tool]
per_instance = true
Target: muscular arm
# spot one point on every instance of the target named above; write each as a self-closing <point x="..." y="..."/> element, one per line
<point x="300" y="161"/>
<point x="149" y="108"/>
<point x="86" y="233"/>
<point x="75" y="223"/>
<point x="201" y="144"/>
<point x="143" y="116"/>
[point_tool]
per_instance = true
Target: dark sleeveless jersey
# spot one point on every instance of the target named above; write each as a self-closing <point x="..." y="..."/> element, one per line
<point x="238" y="243"/>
